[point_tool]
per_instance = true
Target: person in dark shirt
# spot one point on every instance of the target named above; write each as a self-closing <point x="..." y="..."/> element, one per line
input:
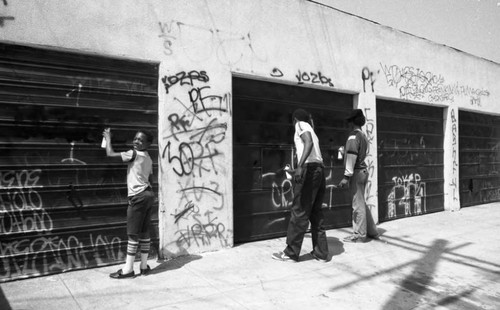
<point x="356" y="177"/>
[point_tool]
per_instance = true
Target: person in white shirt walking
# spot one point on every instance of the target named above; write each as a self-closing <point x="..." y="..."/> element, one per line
<point x="309" y="191"/>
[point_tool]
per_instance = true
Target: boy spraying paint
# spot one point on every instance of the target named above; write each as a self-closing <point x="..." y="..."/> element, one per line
<point x="140" y="200"/>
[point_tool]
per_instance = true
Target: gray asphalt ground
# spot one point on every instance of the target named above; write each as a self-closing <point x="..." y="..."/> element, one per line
<point x="444" y="260"/>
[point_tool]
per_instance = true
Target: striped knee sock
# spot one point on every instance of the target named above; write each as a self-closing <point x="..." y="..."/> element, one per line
<point x="144" y="245"/>
<point x="132" y="247"/>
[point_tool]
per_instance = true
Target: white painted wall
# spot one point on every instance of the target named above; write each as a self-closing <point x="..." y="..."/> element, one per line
<point x="258" y="38"/>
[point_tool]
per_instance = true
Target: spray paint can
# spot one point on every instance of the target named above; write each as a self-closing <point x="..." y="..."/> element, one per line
<point x="287" y="172"/>
<point x="104" y="142"/>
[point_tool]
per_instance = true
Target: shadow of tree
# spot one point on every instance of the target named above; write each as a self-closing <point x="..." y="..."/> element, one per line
<point x="457" y="299"/>
<point x="417" y="283"/>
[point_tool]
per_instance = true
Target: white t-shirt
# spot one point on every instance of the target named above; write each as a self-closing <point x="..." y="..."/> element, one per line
<point x="315" y="156"/>
<point x="138" y="171"/>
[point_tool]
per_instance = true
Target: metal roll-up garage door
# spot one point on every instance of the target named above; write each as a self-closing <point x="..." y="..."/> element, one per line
<point x="263" y="145"/>
<point x="410" y="159"/>
<point x="62" y="202"/>
<point x="479" y="158"/>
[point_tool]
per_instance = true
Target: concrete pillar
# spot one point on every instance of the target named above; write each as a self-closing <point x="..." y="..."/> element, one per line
<point x="367" y="102"/>
<point x="450" y="145"/>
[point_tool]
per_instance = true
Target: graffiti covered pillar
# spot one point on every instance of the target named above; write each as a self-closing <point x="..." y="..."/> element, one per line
<point x="450" y="145"/>
<point x="367" y="102"/>
<point x="195" y="210"/>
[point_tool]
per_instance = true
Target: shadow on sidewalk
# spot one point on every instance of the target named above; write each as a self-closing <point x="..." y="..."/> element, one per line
<point x="335" y="247"/>
<point x="4" y="303"/>
<point x="174" y="263"/>
<point x="414" y="287"/>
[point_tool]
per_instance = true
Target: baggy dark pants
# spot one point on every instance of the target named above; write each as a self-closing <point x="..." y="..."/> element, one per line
<point x="307" y="202"/>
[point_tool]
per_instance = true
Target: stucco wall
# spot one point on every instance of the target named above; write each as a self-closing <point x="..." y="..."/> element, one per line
<point x="200" y="44"/>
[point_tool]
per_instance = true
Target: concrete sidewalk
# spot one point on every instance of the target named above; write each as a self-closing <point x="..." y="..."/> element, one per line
<point x="445" y="260"/>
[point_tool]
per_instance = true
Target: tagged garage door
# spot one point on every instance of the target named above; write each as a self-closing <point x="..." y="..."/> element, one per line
<point x="410" y="159"/>
<point x="62" y="202"/>
<point x="479" y="158"/>
<point x="263" y="145"/>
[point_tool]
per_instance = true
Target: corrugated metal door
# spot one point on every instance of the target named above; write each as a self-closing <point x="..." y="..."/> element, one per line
<point x="263" y="145"/>
<point x="479" y="158"/>
<point x="62" y="202"/>
<point x="410" y="159"/>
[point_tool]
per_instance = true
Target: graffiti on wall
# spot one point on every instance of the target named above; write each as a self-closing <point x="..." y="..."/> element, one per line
<point x="5" y="18"/>
<point x="64" y="254"/>
<point x="414" y="83"/>
<point x="370" y="191"/>
<point x="22" y="210"/>
<point x="199" y="43"/>
<point x="282" y="194"/>
<point x="369" y="76"/>
<point x="192" y="148"/>
<point x="305" y="77"/>
<point x="454" y="156"/>
<point x="407" y="194"/>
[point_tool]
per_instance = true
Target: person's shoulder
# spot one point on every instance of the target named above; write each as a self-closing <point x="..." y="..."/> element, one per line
<point x="304" y="126"/>
<point x="357" y="133"/>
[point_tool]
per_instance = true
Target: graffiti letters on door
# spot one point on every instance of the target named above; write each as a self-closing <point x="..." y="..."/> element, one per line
<point x="407" y="195"/>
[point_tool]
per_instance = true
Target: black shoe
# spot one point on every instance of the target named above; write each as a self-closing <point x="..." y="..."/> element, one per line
<point x="316" y="257"/>
<point x="145" y="272"/>
<point x="119" y="275"/>
<point x="353" y="239"/>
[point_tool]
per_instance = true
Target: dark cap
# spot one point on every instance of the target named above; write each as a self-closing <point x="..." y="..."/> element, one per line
<point x="355" y="114"/>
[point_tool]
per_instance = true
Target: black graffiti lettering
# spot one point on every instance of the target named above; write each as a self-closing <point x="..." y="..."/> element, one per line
<point x="202" y="233"/>
<point x="276" y="72"/>
<point x="418" y="84"/>
<point x="313" y="78"/>
<point x="305" y="77"/>
<point x="4" y="18"/>
<point x="204" y="104"/>
<point x="367" y="75"/>
<point x="188" y="208"/>
<point x="198" y="191"/>
<point x="178" y="124"/>
<point x="185" y="160"/>
<point x="325" y="80"/>
<point x="184" y="78"/>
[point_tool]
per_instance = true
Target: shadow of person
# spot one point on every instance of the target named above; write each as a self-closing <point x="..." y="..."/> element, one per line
<point x="335" y="246"/>
<point x="174" y="263"/>
<point x="379" y="238"/>
<point x="381" y="231"/>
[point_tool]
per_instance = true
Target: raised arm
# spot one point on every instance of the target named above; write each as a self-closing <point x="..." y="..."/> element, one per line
<point x="109" y="147"/>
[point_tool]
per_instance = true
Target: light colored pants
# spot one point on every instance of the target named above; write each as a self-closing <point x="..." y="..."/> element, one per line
<point x="363" y="224"/>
